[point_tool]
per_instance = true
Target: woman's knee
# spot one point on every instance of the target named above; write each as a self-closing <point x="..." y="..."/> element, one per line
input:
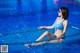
<point x="58" y="37"/>
<point x="47" y="32"/>
<point x="60" y="40"/>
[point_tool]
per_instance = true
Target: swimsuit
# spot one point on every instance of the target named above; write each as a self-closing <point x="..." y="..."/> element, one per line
<point x="59" y="26"/>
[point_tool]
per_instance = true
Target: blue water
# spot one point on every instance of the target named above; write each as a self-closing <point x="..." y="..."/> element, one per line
<point x="20" y="19"/>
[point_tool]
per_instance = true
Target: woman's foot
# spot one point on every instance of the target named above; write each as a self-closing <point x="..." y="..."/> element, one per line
<point x="28" y="45"/>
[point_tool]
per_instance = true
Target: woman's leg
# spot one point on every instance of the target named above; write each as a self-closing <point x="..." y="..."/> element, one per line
<point x="35" y="44"/>
<point x="55" y="41"/>
<point x="44" y="42"/>
<point x="51" y="36"/>
<point x="58" y="37"/>
<point x="47" y="42"/>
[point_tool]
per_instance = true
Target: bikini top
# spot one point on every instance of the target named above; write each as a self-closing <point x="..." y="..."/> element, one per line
<point x="59" y="26"/>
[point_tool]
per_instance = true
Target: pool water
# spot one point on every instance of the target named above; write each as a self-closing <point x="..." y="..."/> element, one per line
<point x="19" y="25"/>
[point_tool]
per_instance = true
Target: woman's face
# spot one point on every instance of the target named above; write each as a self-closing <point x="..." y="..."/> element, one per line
<point x="59" y="12"/>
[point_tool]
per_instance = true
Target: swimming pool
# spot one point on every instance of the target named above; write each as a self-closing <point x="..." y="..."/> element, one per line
<point x="19" y="26"/>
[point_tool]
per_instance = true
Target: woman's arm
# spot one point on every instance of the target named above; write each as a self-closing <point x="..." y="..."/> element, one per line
<point x="48" y="27"/>
<point x="65" y="23"/>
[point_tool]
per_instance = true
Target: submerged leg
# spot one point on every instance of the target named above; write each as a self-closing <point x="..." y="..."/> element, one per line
<point x="35" y="44"/>
<point x="44" y="42"/>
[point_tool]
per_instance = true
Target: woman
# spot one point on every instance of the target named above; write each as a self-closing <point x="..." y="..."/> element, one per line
<point x="60" y="26"/>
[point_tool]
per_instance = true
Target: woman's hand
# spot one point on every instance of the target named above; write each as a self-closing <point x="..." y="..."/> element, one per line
<point x="41" y="27"/>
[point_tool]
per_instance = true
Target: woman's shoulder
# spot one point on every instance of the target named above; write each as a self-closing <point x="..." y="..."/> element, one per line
<point x="57" y="18"/>
<point x="65" y="21"/>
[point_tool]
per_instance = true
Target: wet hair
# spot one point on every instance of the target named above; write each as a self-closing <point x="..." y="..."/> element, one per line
<point x="65" y="12"/>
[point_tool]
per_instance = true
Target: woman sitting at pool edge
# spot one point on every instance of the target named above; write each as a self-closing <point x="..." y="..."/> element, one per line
<point x="60" y="26"/>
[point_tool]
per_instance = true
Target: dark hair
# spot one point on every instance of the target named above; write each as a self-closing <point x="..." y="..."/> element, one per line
<point x="65" y="12"/>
